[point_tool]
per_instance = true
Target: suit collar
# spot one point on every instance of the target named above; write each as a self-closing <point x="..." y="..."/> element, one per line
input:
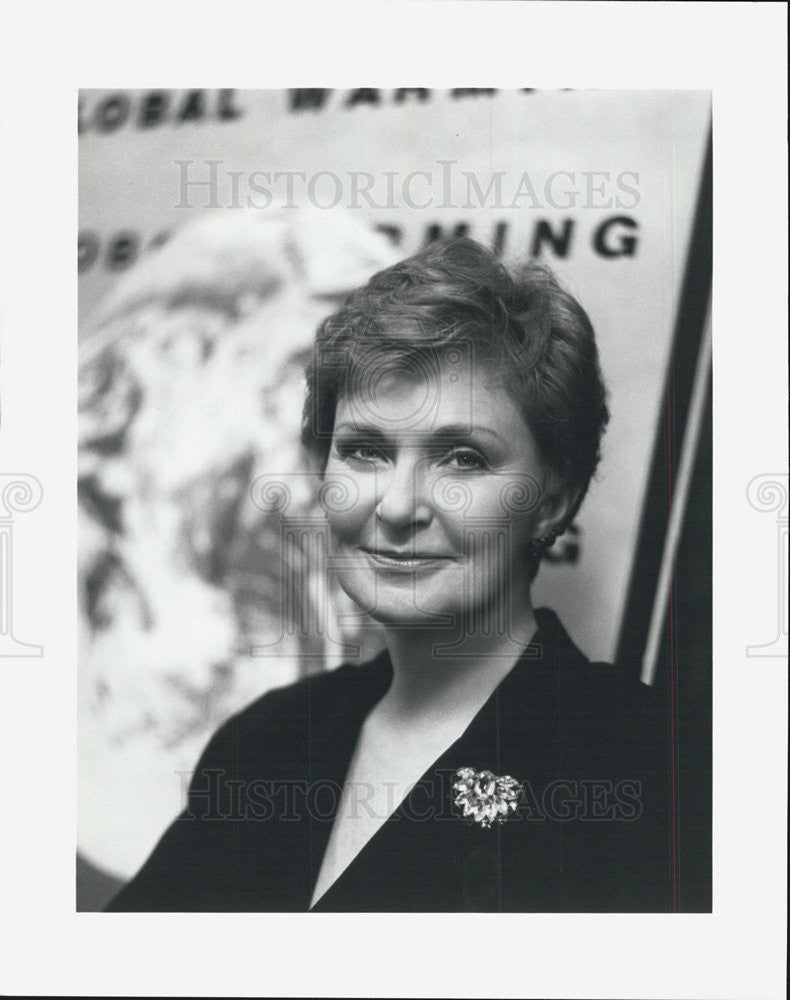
<point x="511" y="723"/>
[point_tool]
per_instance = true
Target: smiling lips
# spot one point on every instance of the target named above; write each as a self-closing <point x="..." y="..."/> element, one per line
<point x="405" y="560"/>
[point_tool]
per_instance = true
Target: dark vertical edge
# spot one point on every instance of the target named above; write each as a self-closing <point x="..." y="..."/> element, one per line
<point x="684" y="667"/>
<point x="673" y="414"/>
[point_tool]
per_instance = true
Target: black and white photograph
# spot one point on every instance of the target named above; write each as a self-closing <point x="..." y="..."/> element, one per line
<point x="402" y="423"/>
<point x="395" y="500"/>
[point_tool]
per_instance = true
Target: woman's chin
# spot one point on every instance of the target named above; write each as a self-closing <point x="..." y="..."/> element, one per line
<point x="404" y="613"/>
<point x="412" y="618"/>
<point x="405" y="605"/>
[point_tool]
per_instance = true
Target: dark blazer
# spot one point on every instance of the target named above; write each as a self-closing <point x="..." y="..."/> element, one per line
<point x="591" y="832"/>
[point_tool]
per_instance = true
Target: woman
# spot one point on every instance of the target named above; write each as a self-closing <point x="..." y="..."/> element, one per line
<point x="481" y="762"/>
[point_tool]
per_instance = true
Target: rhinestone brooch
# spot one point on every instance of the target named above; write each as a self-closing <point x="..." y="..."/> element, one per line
<point x="484" y="797"/>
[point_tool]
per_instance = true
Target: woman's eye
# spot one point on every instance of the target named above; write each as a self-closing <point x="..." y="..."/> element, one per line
<point x="464" y="458"/>
<point x="362" y="452"/>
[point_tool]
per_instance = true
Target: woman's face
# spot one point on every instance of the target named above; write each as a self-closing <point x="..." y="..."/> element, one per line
<point x="433" y="490"/>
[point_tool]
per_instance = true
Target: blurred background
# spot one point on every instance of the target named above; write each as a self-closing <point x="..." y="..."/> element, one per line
<point x="217" y="228"/>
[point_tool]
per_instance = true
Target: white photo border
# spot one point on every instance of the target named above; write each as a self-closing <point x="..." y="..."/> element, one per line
<point x="49" y="51"/>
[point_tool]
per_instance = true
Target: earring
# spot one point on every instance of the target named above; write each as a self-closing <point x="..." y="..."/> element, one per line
<point x="545" y="542"/>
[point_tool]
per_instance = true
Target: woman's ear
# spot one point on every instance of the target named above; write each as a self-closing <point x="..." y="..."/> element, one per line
<point x="556" y="511"/>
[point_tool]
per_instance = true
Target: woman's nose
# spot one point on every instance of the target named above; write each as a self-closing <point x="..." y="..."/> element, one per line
<point x="401" y="501"/>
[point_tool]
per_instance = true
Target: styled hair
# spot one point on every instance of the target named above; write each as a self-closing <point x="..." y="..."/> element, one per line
<point x="522" y="327"/>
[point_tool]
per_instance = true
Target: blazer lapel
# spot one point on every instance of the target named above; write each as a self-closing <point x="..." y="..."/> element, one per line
<point x="427" y="857"/>
<point x="333" y="734"/>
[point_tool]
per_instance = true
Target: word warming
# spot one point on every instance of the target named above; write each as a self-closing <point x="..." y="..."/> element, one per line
<point x="321" y="98"/>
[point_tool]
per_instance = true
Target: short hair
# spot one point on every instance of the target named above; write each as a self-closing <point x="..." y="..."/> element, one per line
<point x="523" y="327"/>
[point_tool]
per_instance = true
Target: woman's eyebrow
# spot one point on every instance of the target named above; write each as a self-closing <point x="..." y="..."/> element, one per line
<point x="464" y="431"/>
<point x="368" y="429"/>
<point x="449" y="432"/>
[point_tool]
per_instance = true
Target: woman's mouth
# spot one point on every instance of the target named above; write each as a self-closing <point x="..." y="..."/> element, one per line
<point x="405" y="561"/>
